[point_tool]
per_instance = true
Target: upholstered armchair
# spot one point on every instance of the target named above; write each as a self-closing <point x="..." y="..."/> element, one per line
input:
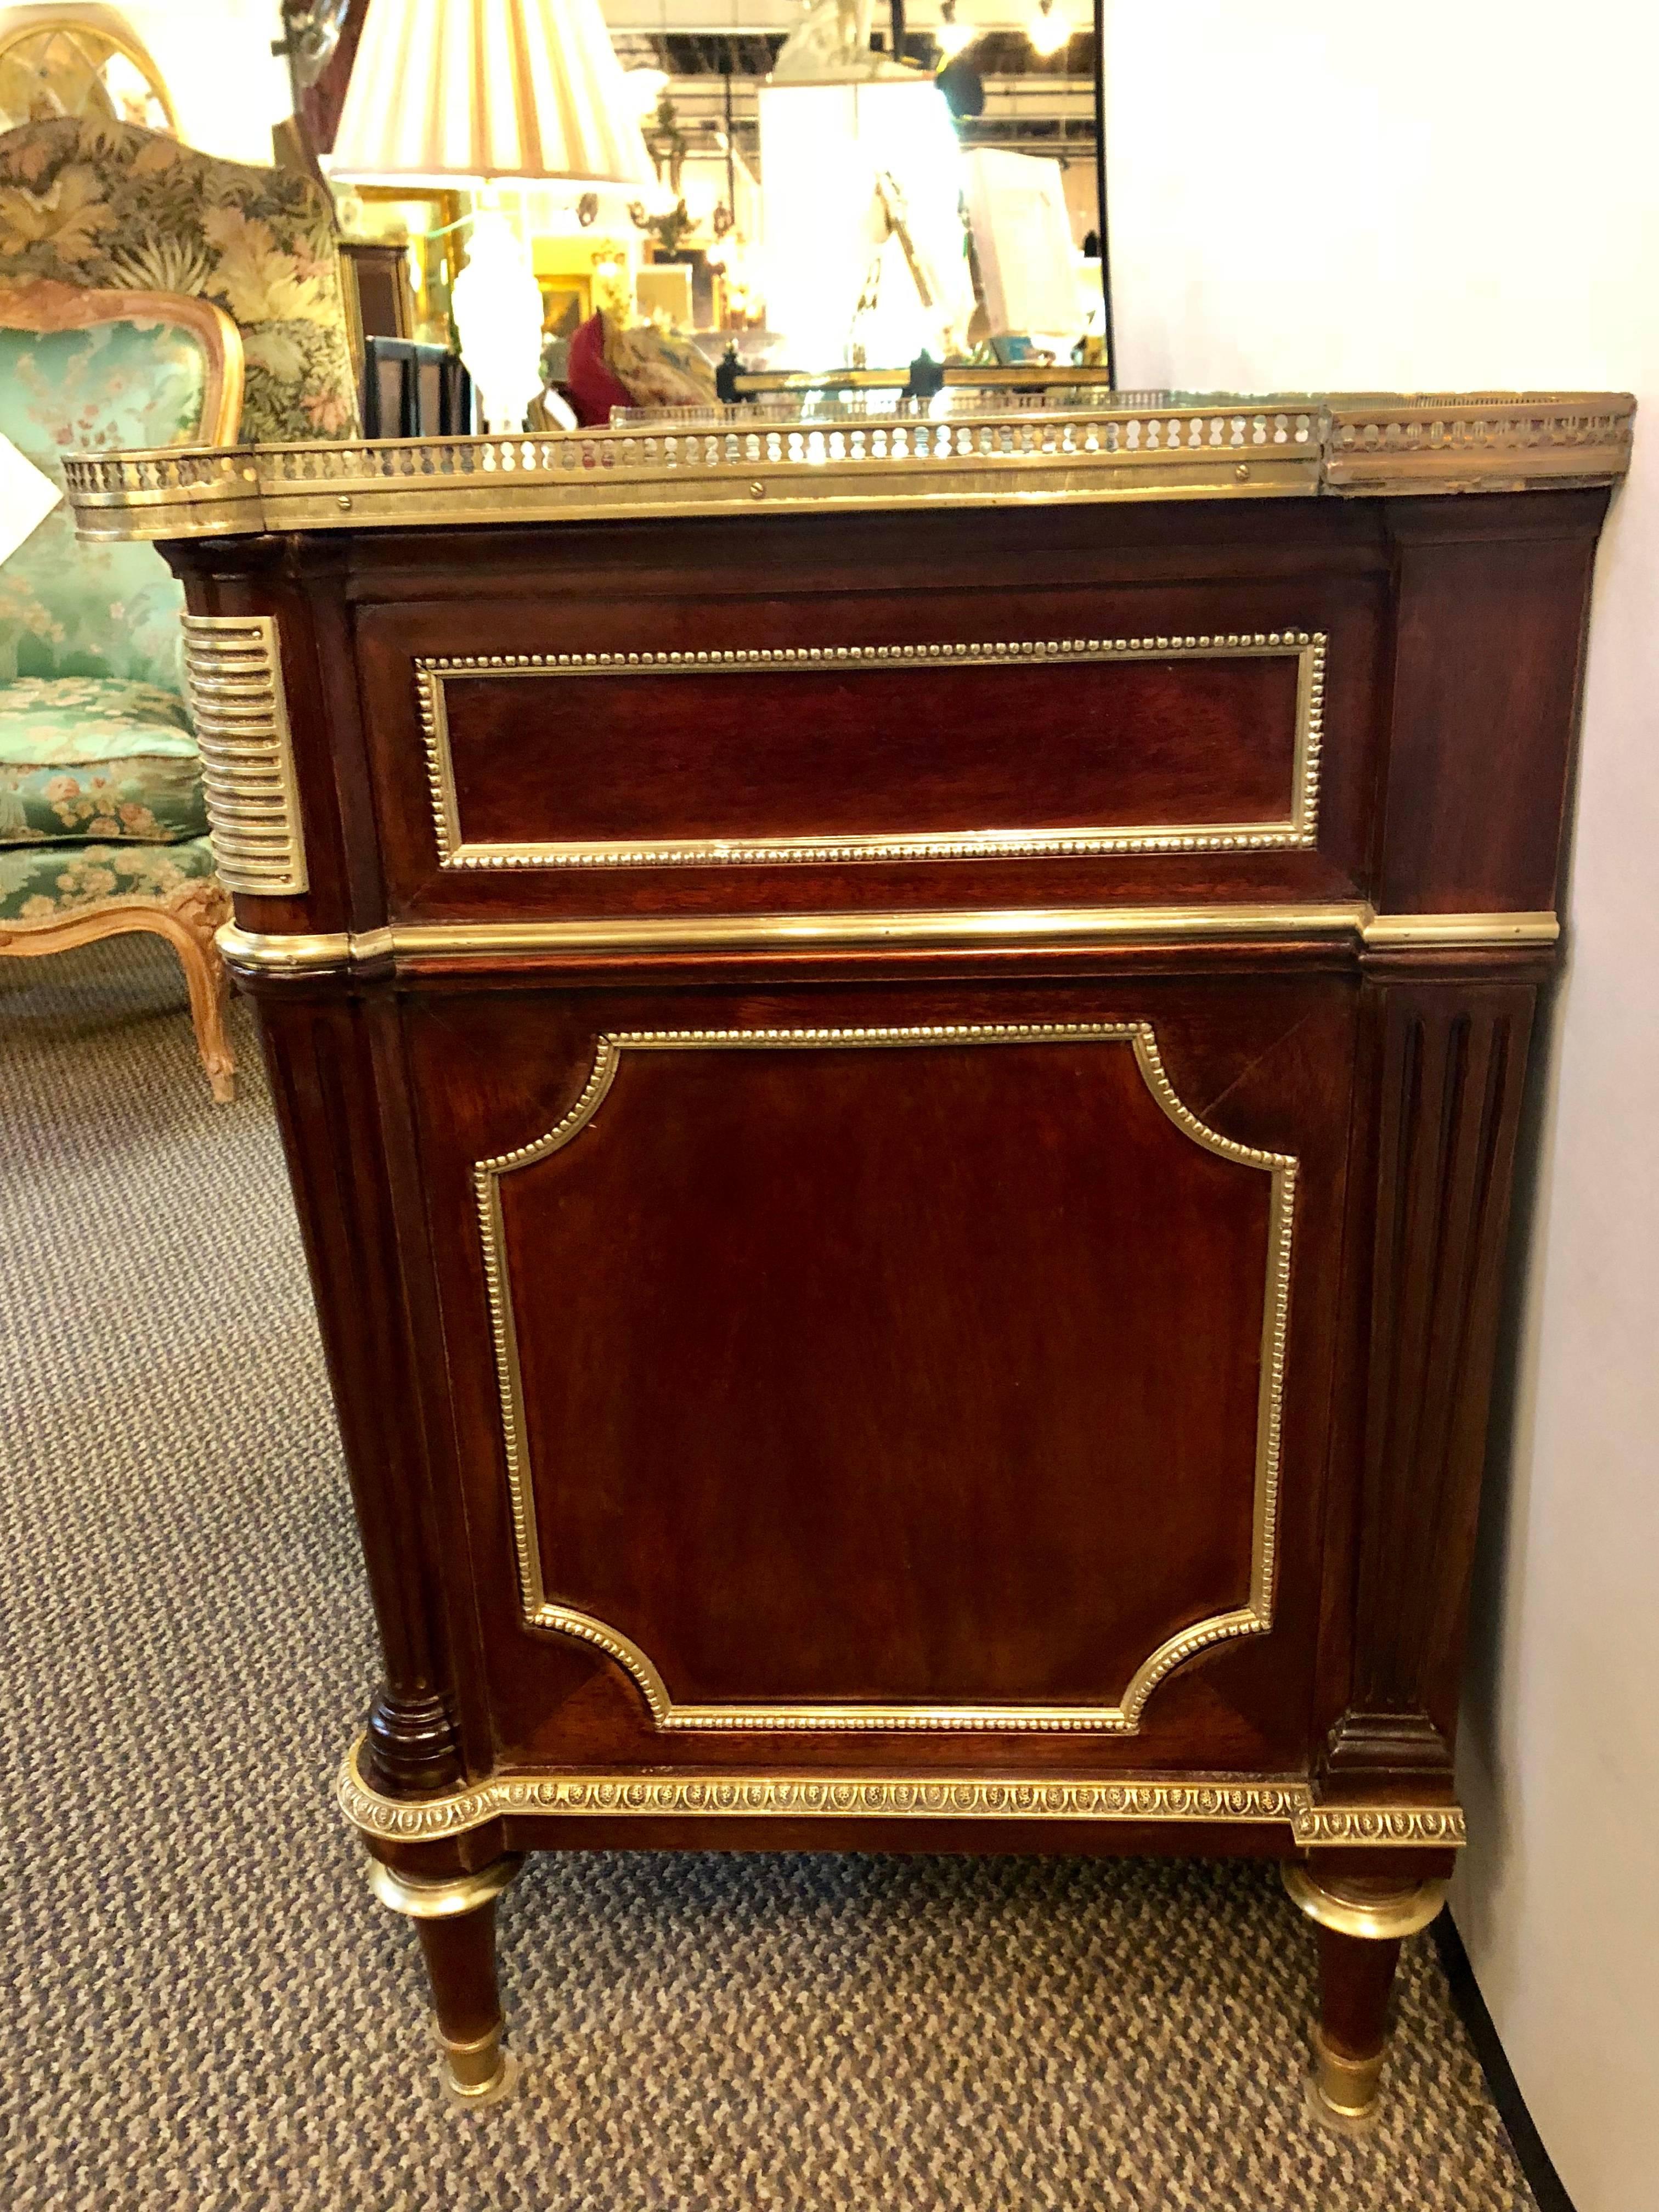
<point x="108" y="207"/>
<point x="149" y="296"/>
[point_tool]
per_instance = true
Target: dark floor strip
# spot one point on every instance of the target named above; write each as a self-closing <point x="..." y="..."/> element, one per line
<point x="1536" y="2163"/>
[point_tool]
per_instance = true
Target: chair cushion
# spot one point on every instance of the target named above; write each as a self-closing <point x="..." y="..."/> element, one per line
<point x="94" y="757"/>
<point x="46" y="883"/>
<point x="594" y="389"/>
<point x="65" y="721"/>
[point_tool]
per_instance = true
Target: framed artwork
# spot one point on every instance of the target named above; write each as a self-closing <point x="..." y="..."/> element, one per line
<point x="566" y="303"/>
<point x="663" y="293"/>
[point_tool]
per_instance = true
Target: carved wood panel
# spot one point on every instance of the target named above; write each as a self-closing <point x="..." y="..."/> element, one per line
<point x="898" y="1377"/>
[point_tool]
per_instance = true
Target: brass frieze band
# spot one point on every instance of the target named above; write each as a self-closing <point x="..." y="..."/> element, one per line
<point x="1162" y="446"/>
<point x="1414" y="1826"/>
<point x="253" y="952"/>
<point x="1218" y="1799"/>
<point x="1297" y="828"/>
<point x="234" y="680"/>
<point x="1253" y="1617"/>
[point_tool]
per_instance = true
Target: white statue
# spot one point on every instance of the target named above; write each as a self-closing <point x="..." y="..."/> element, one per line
<point x="830" y="44"/>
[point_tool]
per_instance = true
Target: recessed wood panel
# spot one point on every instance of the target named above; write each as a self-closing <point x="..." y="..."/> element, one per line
<point x="890" y="1371"/>
<point x="864" y="752"/>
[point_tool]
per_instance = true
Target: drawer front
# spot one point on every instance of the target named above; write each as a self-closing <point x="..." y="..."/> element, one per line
<point x="776" y="749"/>
<point x="933" y="750"/>
<point x="890" y="1369"/>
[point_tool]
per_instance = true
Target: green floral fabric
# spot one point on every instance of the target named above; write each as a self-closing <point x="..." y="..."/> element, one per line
<point x="109" y="206"/>
<point x="68" y="610"/>
<point x="41" y="883"/>
<point x="71" y="719"/>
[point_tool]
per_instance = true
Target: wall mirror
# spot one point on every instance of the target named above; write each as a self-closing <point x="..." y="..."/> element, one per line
<point x="839" y="206"/>
<point x="872" y="188"/>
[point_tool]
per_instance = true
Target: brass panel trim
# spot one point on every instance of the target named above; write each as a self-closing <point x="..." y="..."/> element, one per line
<point x="1385" y="931"/>
<point x="1387" y="1919"/>
<point x="234" y="682"/>
<point x="1253" y="1618"/>
<point x="254" y="952"/>
<point x="1164" y="445"/>
<point x="1409" y="1827"/>
<point x="1297" y="829"/>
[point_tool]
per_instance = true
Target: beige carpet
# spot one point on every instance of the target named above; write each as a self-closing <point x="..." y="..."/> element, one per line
<point x="206" y="2009"/>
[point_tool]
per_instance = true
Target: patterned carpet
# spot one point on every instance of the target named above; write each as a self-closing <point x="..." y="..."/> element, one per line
<point x="207" y="2010"/>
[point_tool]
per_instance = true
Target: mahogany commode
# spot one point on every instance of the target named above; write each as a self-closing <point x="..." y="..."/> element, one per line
<point x="900" y="1050"/>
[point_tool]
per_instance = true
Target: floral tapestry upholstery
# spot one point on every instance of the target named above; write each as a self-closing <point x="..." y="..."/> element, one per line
<point x="44" y="883"/>
<point x="69" y="610"/>
<point x="107" y="206"/>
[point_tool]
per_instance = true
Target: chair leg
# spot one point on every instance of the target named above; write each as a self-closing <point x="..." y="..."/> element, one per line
<point x="208" y="980"/>
<point x="188" y="922"/>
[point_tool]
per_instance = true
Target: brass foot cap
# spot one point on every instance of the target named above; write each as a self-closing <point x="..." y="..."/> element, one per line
<point x="472" y="2096"/>
<point x="1345" y="2089"/>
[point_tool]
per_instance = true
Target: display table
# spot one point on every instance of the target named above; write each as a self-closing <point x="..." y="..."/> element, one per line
<point x="900" y="1052"/>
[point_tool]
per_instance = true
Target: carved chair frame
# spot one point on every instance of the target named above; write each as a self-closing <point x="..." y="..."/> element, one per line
<point x="188" y="918"/>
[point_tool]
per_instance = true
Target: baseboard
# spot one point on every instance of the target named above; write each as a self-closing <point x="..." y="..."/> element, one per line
<point x="1545" y="2183"/>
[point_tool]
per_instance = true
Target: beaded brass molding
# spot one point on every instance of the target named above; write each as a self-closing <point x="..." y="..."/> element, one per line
<point x="1298" y="829"/>
<point x="611" y="1796"/>
<point x="1253" y="1618"/>
<point x="1164" y="445"/>
<point x="233" y="681"/>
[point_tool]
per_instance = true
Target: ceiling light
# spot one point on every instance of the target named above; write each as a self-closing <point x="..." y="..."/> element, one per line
<point x="1049" y="29"/>
<point x="951" y="36"/>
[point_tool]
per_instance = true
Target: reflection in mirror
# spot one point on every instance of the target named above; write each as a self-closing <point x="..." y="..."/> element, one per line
<point x="844" y="208"/>
<point x="881" y="194"/>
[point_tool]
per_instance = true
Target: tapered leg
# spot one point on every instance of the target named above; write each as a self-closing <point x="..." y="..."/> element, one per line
<point x="1356" y="1975"/>
<point x="1362" y="1920"/>
<point x="455" y="1921"/>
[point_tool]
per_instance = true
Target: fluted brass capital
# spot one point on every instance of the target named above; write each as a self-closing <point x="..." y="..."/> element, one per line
<point x="1346" y="1907"/>
<point x="420" y="1899"/>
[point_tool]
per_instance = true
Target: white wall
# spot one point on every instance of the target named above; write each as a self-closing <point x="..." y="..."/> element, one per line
<point x="1432" y="197"/>
<point x="226" y="86"/>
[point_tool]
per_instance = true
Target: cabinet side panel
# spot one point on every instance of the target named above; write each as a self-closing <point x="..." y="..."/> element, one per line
<point x="1486" y="688"/>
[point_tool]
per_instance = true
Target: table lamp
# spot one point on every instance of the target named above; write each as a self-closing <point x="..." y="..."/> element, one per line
<point x="465" y="92"/>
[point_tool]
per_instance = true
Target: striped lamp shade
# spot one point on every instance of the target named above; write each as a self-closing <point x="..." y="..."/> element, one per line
<point x="447" y="90"/>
